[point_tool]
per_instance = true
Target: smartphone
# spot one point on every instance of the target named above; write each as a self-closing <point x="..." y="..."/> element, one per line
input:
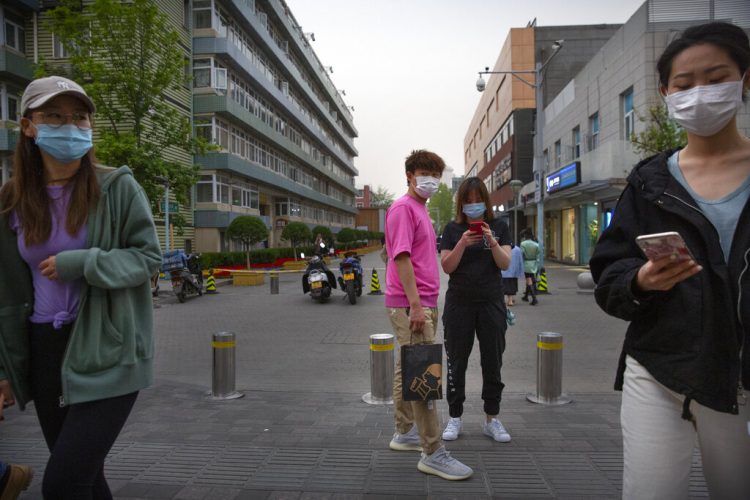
<point x="476" y="227"/>
<point x="659" y="245"/>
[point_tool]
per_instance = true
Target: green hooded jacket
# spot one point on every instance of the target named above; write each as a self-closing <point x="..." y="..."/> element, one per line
<point x="111" y="347"/>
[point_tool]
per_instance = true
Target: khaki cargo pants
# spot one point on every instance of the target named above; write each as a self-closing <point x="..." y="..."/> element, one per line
<point x="422" y="413"/>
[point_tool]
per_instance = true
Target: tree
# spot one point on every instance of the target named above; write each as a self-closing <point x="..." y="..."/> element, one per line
<point x="662" y="133"/>
<point x="129" y="58"/>
<point x="296" y="233"/>
<point x="440" y="207"/>
<point x="248" y="230"/>
<point x="381" y="198"/>
<point x="346" y="235"/>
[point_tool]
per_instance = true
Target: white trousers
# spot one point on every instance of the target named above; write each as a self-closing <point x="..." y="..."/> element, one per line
<point x="658" y="444"/>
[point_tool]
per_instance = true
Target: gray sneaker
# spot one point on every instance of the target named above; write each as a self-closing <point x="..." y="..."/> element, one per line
<point x="442" y="464"/>
<point x="495" y="429"/>
<point x="406" y="442"/>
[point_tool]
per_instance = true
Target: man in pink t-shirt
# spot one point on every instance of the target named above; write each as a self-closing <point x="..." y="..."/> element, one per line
<point x="413" y="285"/>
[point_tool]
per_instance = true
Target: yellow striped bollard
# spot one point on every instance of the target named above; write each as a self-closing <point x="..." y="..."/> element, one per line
<point x="381" y="370"/>
<point x="549" y="350"/>
<point x="223" y="377"/>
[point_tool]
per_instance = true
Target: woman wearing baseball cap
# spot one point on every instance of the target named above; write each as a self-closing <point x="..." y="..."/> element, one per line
<point x="78" y="245"/>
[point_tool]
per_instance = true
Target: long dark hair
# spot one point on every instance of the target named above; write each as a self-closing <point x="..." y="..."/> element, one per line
<point x="468" y="186"/>
<point x="730" y="38"/>
<point x="26" y="193"/>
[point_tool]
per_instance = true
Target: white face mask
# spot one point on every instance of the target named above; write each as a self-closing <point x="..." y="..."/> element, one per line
<point x="426" y="186"/>
<point x="707" y="109"/>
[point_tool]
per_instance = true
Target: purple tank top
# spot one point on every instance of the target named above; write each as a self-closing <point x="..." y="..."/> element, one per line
<point x="55" y="301"/>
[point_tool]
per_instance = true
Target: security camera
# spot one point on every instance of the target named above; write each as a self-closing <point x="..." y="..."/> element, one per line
<point x="557" y="44"/>
<point x="480" y="84"/>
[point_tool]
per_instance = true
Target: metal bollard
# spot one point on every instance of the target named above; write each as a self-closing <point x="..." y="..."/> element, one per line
<point x="222" y="382"/>
<point x="549" y="370"/>
<point x="274" y="279"/>
<point x="381" y="370"/>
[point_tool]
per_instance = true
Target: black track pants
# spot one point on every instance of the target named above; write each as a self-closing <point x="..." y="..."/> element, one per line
<point x="461" y="321"/>
<point x="78" y="436"/>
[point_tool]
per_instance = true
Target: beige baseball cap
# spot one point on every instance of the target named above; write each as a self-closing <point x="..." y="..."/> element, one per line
<point x="43" y="90"/>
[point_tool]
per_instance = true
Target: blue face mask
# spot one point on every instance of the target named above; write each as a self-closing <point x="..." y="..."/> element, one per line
<point x="65" y="143"/>
<point x="474" y="210"/>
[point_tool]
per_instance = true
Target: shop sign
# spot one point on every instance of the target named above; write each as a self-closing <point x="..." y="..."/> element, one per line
<point x="569" y="175"/>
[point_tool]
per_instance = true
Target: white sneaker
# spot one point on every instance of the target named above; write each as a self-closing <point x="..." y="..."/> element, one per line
<point x="442" y="464"/>
<point x="452" y="429"/>
<point x="495" y="429"/>
<point x="406" y="442"/>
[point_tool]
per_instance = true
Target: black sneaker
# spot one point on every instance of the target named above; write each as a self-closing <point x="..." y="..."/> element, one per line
<point x="534" y="302"/>
<point x="525" y="298"/>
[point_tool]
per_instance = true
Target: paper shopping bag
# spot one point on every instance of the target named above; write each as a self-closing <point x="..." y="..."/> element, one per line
<point x="421" y="371"/>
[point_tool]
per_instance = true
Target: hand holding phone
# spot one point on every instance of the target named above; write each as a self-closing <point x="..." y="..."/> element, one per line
<point x="660" y="245"/>
<point x="476" y="227"/>
<point x="670" y="262"/>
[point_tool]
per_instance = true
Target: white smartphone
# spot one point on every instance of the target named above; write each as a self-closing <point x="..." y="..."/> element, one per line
<point x="659" y="245"/>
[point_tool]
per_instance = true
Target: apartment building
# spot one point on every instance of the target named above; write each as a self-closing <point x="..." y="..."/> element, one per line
<point x="587" y="149"/>
<point x="499" y="143"/>
<point x="285" y="133"/>
<point x="258" y="92"/>
<point x="16" y="71"/>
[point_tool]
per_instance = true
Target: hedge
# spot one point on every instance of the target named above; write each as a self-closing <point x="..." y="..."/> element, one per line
<point x="260" y="256"/>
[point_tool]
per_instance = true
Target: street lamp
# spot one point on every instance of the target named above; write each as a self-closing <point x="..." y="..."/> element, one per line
<point x="538" y="73"/>
<point x="515" y="186"/>
<point x="165" y="182"/>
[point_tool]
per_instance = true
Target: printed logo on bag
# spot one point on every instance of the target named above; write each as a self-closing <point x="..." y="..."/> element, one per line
<point x="429" y="384"/>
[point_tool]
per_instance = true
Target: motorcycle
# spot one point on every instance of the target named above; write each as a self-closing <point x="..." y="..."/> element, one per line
<point x="318" y="280"/>
<point x="185" y="273"/>
<point x="351" y="276"/>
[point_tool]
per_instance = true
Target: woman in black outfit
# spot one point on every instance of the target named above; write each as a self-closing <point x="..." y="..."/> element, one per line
<point x="474" y="303"/>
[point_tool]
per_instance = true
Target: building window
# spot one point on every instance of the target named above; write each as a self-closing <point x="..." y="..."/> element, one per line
<point x="205" y="189"/>
<point x="546" y="160"/>
<point x="58" y="48"/>
<point x="13" y="107"/>
<point x="15" y="35"/>
<point x="202" y="14"/>
<point x="558" y="154"/>
<point x="186" y="13"/>
<point x="594" y="131"/>
<point x="628" y="115"/>
<point x="207" y="72"/>
<point x="576" y="142"/>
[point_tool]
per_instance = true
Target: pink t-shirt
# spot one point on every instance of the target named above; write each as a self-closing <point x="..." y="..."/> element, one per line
<point x="408" y="228"/>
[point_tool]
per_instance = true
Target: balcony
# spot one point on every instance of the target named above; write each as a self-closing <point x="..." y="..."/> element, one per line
<point x="14" y="66"/>
<point x="257" y="173"/>
<point x="224" y="105"/>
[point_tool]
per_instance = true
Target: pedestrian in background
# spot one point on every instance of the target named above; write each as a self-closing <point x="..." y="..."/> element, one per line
<point x="78" y="246"/>
<point x="531" y="264"/>
<point x="474" y="304"/>
<point x="411" y="299"/>
<point x="512" y="275"/>
<point x="684" y="370"/>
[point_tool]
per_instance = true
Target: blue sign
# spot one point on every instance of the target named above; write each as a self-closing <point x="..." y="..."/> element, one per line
<point x="569" y="175"/>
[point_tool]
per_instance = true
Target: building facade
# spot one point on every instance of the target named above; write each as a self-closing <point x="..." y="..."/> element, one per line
<point x="498" y="145"/>
<point x="587" y="149"/>
<point x="17" y="19"/>
<point x="363" y="198"/>
<point x="284" y="132"/>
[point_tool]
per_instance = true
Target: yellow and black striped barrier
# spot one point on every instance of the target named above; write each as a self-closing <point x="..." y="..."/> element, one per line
<point x="211" y="282"/>
<point x="375" y="284"/>
<point x="541" y="285"/>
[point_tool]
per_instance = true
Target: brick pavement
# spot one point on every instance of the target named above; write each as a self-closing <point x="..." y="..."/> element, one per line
<point x="281" y="442"/>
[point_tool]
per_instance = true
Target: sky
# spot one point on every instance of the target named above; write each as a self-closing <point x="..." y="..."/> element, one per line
<point x="409" y="67"/>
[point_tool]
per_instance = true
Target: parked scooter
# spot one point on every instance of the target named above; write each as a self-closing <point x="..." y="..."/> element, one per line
<point x="318" y="280"/>
<point x="185" y="272"/>
<point x="351" y="276"/>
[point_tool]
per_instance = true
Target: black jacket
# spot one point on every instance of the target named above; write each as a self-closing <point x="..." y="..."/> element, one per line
<point x="691" y="337"/>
